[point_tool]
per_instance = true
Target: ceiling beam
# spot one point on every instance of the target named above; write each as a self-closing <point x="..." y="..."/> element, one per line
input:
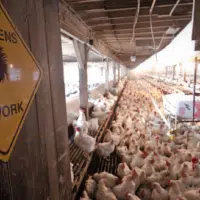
<point x="148" y="34"/>
<point x="137" y="38"/>
<point x="104" y="7"/>
<point x="129" y="30"/>
<point x="140" y="22"/>
<point x="180" y="10"/>
<point x="82" y="1"/>
<point x="143" y="25"/>
<point x="142" y="43"/>
<point x="122" y="20"/>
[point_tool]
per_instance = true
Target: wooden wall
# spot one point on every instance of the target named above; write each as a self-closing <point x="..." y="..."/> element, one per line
<point x="39" y="166"/>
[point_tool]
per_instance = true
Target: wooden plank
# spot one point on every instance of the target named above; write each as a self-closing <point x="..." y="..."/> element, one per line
<point x="5" y="182"/>
<point x="52" y="24"/>
<point x="43" y="97"/>
<point x="37" y="140"/>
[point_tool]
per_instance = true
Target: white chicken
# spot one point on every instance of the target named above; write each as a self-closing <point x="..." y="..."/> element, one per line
<point x="139" y="159"/>
<point x="85" y="196"/>
<point x="159" y="193"/>
<point x="105" y="149"/>
<point x="90" y="187"/>
<point x="84" y="141"/>
<point x="110" y="179"/>
<point x="148" y="167"/>
<point x="93" y="124"/>
<point x="192" y="194"/>
<point x="123" y="170"/>
<point x="111" y="137"/>
<point x="174" y="191"/>
<point x="81" y="122"/>
<point x="104" y="193"/>
<point x="130" y="196"/>
<point x="127" y="186"/>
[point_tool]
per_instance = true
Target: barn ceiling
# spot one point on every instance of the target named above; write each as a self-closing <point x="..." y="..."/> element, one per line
<point x="124" y="25"/>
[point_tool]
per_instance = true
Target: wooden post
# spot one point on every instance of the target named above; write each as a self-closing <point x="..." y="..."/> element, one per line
<point x="55" y="62"/>
<point x="118" y="72"/>
<point x="196" y="28"/>
<point x="114" y="73"/>
<point x="39" y="165"/>
<point x="181" y="69"/>
<point x="81" y="50"/>
<point x="185" y="75"/>
<point x="107" y="76"/>
<point x="166" y="68"/>
<point x="173" y="71"/>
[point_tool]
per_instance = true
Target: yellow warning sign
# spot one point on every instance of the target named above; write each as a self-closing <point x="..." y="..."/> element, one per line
<point x="19" y="80"/>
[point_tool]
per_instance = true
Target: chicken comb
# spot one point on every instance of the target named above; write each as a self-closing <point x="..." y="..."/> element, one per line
<point x="157" y="137"/>
<point x="145" y="153"/>
<point x="195" y="160"/>
<point x="123" y="165"/>
<point x="167" y="164"/>
<point x="134" y="173"/>
<point x="81" y="109"/>
<point x="169" y="182"/>
<point x="127" y="195"/>
<point x="77" y="129"/>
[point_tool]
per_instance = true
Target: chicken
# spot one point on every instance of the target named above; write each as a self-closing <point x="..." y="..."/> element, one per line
<point x="84" y="141"/>
<point x="159" y="193"/>
<point x="139" y="160"/>
<point x="101" y="115"/>
<point x="123" y="170"/>
<point x="148" y="167"/>
<point x="85" y="196"/>
<point x="72" y="173"/>
<point x="104" y="193"/>
<point x="112" y="137"/>
<point x="93" y="124"/>
<point x="120" y="150"/>
<point x="166" y="150"/>
<point x="106" y="148"/>
<point x="110" y="179"/>
<point x="90" y="187"/>
<point x="193" y="194"/>
<point x="186" y="179"/>
<point x="127" y="186"/>
<point x="130" y="196"/>
<point x="81" y="122"/>
<point x="144" y="192"/>
<point x="134" y="176"/>
<point x="174" y="191"/>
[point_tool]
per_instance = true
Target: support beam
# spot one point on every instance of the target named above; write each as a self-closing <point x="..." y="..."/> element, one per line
<point x="81" y="50"/>
<point x="114" y="73"/>
<point x="128" y="12"/>
<point x="107" y="76"/>
<point x="196" y="28"/>
<point x="181" y="69"/>
<point x="177" y="23"/>
<point x="118" y="69"/>
<point x="173" y="72"/>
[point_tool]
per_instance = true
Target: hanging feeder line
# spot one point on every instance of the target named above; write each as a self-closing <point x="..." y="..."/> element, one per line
<point x="135" y="21"/>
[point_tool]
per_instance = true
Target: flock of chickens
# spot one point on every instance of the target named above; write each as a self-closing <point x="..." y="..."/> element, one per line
<point x="153" y="165"/>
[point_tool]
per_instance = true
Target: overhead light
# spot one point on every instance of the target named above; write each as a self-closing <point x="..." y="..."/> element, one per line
<point x="133" y="58"/>
<point x="172" y="30"/>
